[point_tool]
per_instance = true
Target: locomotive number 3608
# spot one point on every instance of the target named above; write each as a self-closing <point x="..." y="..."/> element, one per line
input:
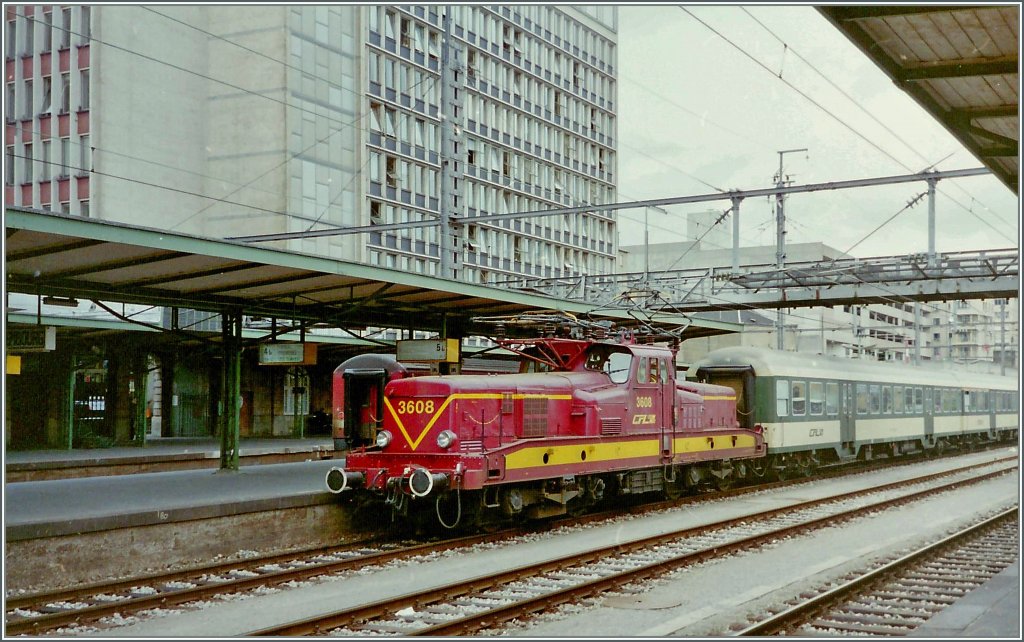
<point x="417" y="406"/>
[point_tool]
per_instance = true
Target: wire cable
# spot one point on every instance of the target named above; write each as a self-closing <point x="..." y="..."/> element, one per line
<point x="861" y="107"/>
<point x="829" y="113"/>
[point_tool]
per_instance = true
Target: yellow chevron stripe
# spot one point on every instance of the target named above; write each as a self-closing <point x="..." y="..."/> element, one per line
<point x="463" y="395"/>
<point x="719" y="398"/>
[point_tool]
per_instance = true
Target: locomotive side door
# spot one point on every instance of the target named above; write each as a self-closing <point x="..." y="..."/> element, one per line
<point x="363" y="405"/>
<point x="648" y="414"/>
<point x="669" y="419"/>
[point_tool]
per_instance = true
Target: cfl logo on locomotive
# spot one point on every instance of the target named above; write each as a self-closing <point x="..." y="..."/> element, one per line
<point x="639" y="420"/>
<point x="415" y="407"/>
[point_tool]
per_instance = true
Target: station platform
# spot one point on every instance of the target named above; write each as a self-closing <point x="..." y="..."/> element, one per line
<point x="992" y="610"/>
<point x="156" y="455"/>
<point x="39" y="509"/>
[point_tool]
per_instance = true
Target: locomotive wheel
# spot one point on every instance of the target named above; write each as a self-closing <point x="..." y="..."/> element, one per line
<point x="725" y="483"/>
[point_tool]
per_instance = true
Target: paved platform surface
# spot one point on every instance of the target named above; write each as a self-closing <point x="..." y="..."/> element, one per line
<point x="158" y="449"/>
<point x="990" y="611"/>
<point x="60" y="507"/>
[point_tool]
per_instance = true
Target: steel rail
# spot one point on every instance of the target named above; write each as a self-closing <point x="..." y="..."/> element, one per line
<point x="447" y="593"/>
<point x="193" y="575"/>
<point x="800" y="614"/>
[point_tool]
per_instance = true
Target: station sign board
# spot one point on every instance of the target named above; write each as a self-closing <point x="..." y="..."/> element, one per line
<point x="287" y="354"/>
<point x="428" y="350"/>
<point x="34" y="338"/>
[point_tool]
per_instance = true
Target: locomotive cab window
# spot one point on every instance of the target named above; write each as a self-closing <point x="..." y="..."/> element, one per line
<point x="613" y="362"/>
<point x="617" y="366"/>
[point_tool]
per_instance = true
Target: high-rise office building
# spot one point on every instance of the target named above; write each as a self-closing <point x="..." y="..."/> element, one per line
<point x="244" y="120"/>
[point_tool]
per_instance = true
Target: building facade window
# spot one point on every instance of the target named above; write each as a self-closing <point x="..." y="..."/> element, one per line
<point x="84" y="80"/>
<point x="9" y="104"/>
<point x="44" y="106"/>
<point x="9" y="165"/>
<point x="28" y="28"/>
<point x="65" y="93"/>
<point x="65" y="31"/>
<point x="27" y="111"/>
<point x="46" y="25"/>
<point x="12" y="38"/>
<point x="44" y="160"/>
<point x="85" y="155"/>
<point x="28" y="175"/>
<point x="65" y="156"/>
<point x="86" y="25"/>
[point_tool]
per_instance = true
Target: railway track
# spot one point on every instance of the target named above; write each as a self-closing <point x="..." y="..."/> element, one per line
<point x="467" y="606"/>
<point x="900" y="596"/>
<point x="44" y="612"/>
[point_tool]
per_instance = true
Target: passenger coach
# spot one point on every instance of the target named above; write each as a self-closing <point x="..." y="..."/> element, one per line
<point x="814" y="409"/>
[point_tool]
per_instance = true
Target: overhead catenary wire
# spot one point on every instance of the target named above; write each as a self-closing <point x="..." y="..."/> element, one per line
<point x="828" y="112"/>
<point x="860" y="106"/>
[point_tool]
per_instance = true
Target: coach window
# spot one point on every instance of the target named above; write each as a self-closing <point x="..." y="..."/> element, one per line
<point x="918" y="400"/>
<point x="887" y="400"/>
<point x="781" y="397"/>
<point x="799" y="398"/>
<point x="862" y="399"/>
<point x="948" y="405"/>
<point x="875" y="399"/>
<point x="816" y="397"/>
<point x="897" y="399"/>
<point x="832" y="398"/>
<point x="968" y="405"/>
<point x="909" y="394"/>
<point x="937" y="396"/>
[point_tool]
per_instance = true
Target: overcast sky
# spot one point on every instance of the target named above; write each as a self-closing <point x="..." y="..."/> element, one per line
<point x="695" y="112"/>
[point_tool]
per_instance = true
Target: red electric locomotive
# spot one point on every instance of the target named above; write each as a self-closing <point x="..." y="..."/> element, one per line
<point x="582" y="420"/>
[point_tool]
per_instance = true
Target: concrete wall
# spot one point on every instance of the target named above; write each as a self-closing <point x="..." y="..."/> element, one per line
<point x="149" y="81"/>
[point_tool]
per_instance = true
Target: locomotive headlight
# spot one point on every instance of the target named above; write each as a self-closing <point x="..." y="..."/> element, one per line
<point x="445" y="439"/>
<point x="383" y="439"/>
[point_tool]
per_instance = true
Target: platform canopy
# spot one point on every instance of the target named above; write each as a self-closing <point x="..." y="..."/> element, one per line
<point x="57" y="255"/>
<point x="958" y="62"/>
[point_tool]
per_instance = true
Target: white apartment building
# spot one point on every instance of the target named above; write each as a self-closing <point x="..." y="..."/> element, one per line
<point x="244" y="120"/>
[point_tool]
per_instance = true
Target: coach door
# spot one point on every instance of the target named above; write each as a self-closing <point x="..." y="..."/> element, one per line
<point x="929" y="412"/>
<point x="846" y="415"/>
